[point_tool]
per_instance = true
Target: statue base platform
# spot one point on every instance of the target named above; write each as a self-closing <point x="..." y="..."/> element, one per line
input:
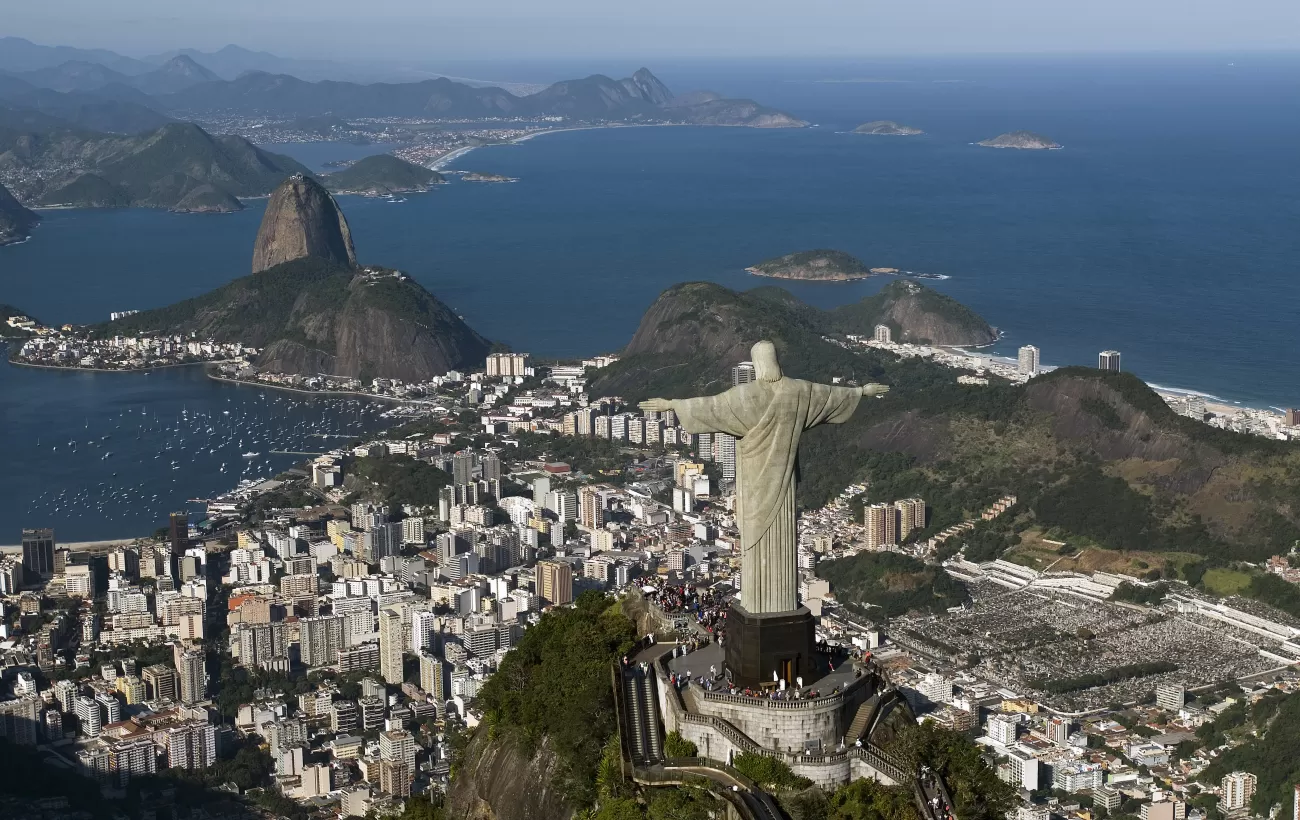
<point x="760" y="644"/>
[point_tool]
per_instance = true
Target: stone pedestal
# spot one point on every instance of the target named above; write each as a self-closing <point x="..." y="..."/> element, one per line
<point x="759" y="644"/>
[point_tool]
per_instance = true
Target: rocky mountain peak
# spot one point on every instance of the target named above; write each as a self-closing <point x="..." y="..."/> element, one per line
<point x="650" y="88"/>
<point x="302" y="220"/>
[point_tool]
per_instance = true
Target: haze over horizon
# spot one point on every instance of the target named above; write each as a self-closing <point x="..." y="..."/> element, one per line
<point x="511" y="29"/>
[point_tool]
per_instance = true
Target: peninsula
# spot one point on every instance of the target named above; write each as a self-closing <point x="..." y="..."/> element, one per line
<point x="16" y="222"/>
<point x="821" y="265"/>
<point x="1025" y="140"/>
<point x="887" y="128"/>
<point x="307" y="308"/>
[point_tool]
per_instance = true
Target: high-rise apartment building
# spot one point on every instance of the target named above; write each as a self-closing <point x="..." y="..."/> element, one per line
<point x="1029" y="360"/>
<point x="370" y="711"/>
<point x="881" y="524"/>
<point x="724" y="454"/>
<point x="79" y="580"/>
<point x="883" y="334"/>
<point x="391" y="644"/>
<point x="1171" y="696"/>
<point x="591" y="508"/>
<point x="1236" y="791"/>
<point x="89" y="714"/>
<point x="555" y="582"/>
<point x="743" y="373"/>
<point x="344" y="717"/>
<point x="110" y="708"/>
<point x="320" y="639"/>
<point x="1108" y="360"/>
<point x="259" y="645"/>
<point x="505" y="365"/>
<point x="433" y="676"/>
<point x="38" y="553"/>
<point x="911" y="516"/>
<point x="160" y="682"/>
<point x="191" y="674"/>
<point x="191" y="746"/>
<point x="19" y="720"/>
<point x="462" y="467"/>
<point x="563" y="504"/>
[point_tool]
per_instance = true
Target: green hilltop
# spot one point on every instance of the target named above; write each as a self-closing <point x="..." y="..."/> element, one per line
<point x="311" y="316"/>
<point x="818" y="265"/>
<point x="1096" y="458"/>
<point x="381" y="174"/>
<point x="917" y="314"/>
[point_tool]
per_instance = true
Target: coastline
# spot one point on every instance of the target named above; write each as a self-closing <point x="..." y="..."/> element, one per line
<point x="1213" y="402"/>
<point x="756" y="272"/>
<point x="289" y="389"/>
<point x="441" y="162"/>
<point x="75" y="368"/>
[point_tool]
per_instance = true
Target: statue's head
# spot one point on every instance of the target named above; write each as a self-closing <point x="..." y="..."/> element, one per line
<point x="766" y="368"/>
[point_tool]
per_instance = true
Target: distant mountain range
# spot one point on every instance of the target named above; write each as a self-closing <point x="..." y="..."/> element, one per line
<point x="240" y="81"/>
<point x="90" y="128"/>
<point x="641" y="97"/>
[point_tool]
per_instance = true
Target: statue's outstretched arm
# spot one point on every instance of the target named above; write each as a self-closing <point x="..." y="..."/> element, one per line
<point x="874" y="389"/>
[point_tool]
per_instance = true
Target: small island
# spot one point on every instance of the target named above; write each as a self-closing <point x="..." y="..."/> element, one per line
<point x="887" y="128"/>
<point x="1024" y="140"/>
<point x="478" y="176"/>
<point x="381" y="175"/>
<point x="821" y="265"/>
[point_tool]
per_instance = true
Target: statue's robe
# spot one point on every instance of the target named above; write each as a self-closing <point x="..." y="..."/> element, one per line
<point x="767" y="418"/>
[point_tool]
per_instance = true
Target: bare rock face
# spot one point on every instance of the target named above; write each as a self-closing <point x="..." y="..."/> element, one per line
<point x="502" y="779"/>
<point x="302" y="220"/>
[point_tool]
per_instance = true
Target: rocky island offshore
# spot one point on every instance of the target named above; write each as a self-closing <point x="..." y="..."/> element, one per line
<point x="381" y="175"/>
<point x="828" y="265"/>
<point x="821" y="265"/>
<point x="887" y="128"/>
<point x="1024" y="140"/>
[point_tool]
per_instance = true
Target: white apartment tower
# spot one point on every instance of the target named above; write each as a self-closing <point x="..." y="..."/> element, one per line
<point x="391" y="644"/>
<point x="1238" y="788"/>
<point x="1029" y="360"/>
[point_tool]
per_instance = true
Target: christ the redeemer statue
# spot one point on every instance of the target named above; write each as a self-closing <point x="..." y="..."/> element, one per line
<point x="768" y="416"/>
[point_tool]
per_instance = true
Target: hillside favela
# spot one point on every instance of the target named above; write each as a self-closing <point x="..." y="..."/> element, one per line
<point x="736" y="411"/>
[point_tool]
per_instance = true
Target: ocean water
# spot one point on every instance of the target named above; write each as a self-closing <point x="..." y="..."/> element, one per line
<point x="1167" y="228"/>
<point x="108" y="455"/>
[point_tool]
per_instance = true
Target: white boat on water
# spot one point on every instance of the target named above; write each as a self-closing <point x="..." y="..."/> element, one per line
<point x="251" y="455"/>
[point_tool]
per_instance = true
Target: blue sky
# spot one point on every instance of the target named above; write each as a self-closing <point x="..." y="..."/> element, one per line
<point x="493" y="29"/>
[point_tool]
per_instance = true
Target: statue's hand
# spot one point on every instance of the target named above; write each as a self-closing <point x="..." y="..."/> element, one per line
<point x="874" y="389"/>
<point x="656" y="405"/>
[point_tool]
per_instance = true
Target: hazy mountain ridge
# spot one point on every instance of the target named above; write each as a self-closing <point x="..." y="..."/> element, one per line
<point x="159" y="169"/>
<point x="641" y="97"/>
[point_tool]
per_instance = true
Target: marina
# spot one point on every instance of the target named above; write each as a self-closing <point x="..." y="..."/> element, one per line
<point x="131" y="447"/>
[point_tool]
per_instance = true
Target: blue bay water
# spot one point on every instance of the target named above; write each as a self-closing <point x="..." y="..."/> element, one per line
<point x="1167" y="228"/>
